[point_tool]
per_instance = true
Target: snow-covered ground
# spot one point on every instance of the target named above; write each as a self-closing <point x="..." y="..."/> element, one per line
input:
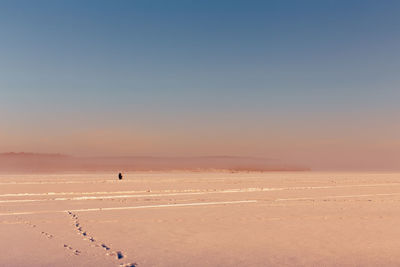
<point x="200" y="219"/>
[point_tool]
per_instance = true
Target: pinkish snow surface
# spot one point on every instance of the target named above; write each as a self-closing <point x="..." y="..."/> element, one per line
<point x="200" y="219"/>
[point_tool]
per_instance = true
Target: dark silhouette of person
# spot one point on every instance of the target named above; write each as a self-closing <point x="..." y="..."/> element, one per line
<point x="120" y="176"/>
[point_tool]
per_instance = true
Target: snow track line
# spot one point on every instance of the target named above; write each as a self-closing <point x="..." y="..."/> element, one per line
<point x="171" y="193"/>
<point x="333" y="197"/>
<point x="132" y="207"/>
<point x="202" y="190"/>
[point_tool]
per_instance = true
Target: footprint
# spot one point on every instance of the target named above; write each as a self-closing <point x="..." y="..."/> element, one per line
<point x="47" y="235"/>
<point x="119" y="255"/>
<point x="74" y="251"/>
<point x="86" y="236"/>
<point x="105" y="246"/>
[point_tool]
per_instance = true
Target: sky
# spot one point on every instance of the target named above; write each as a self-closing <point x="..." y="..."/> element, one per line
<point x="307" y="82"/>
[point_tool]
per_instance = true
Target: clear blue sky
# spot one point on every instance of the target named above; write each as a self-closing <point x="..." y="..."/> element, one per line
<point x="297" y="80"/>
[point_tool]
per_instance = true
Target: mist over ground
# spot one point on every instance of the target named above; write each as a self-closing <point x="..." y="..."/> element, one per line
<point x="32" y="162"/>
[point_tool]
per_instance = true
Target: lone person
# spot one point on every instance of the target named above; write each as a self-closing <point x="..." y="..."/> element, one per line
<point x="119" y="176"/>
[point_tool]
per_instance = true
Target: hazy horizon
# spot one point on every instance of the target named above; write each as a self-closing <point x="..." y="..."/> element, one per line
<point x="58" y="162"/>
<point x="311" y="83"/>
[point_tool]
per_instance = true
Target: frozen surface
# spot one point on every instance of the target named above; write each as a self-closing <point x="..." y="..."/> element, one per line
<point x="200" y="219"/>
